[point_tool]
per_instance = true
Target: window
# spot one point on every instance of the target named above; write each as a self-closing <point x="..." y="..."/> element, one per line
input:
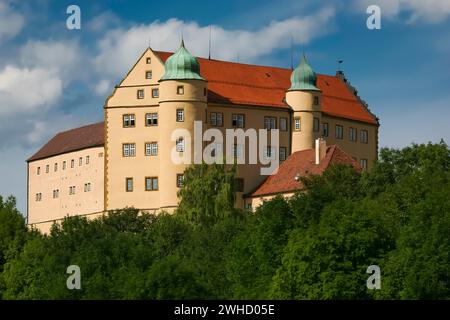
<point x="180" y="115"/>
<point x="352" y="134"/>
<point x="55" y="193"/>
<point x="151" y="184"/>
<point x="180" y="180"/>
<point x="283" y="124"/>
<point x="72" y="163"/>
<point x="129" y="150"/>
<point x="339" y="132"/>
<point x="87" y="187"/>
<point x="216" y="119"/>
<point x="38" y="170"/>
<point x="363" y="163"/>
<point x="316" y="101"/>
<point x="297" y="124"/>
<point x="151" y="119"/>
<point x="238" y="120"/>
<point x="151" y="149"/>
<point x="282" y="153"/>
<point x="270" y="123"/>
<point x="316" y="124"/>
<point x="216" y="149"/>
<point x="140" y="94"/>
<point x="155" y="93"/>
<point x="180" y="89"/>
<point x="239" y="184"/>
<point x="129" y="184"/>
<point x="100" y="154"/>
<point x="248" y="206"/>
<point x="325" y="129"/>
<point x="87" y="159"/>
<point x="47" y="168"/>
<point x="72" y="190"/>
<point x="364" y="136"/>
<point x="129" y="120"/>
<point x="149" y="60"/>
<point x="269" y="153"/>
<point x="38" y="196"/>
<point x="148" y="75"/>
<point x="180" y="145"/>
<point x="80" y="161"/>
<point x="55" y="167"/>
<point x="64" y="165"/>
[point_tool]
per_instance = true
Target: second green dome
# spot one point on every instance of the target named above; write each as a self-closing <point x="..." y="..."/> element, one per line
<point x="303" y="77"/>
<point x="182" y="66"/>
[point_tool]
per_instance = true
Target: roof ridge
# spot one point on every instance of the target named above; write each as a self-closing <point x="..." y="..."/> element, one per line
<point x="82" y="127"/>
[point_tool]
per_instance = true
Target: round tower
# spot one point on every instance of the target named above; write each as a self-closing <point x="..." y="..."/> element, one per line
<point x="183" y="100"/>
<point x="304" y="97"/>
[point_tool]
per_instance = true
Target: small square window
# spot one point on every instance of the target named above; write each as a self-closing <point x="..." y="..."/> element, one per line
<point x="238" y="120"/>
<point x="151" y="119"/>
<point x="180" y="115"/>
<point x="129" y="150"/>
<point x="180" y="145"/>
<point x="140" y="94"/>
<point x="180" y="180"/>
<point x="325" y="129"/>
<point x="151" y="184"/>
<point x="149" y="60"/>
<point x="339" y="132"/>
<point x="129" y="184"/>
<point x="151" y="149"/>
<point x="148" y="75"/>
<point x="316" y="101"/>
<point x="316" y="125"/>
<point x="180" y="90"/>
<point x="129" y="120"/>
<point x="283" y="124"/>
<point x="297" y="124"/>
<point x="155" y="93"/>
<point x="282" y="153"/>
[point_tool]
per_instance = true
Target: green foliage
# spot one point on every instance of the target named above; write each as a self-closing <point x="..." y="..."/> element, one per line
<point x="315" y="245"/>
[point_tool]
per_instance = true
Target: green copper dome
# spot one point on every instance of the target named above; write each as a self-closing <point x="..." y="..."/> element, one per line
<point x="182" y="66"/>
<point x="303" y="77"/>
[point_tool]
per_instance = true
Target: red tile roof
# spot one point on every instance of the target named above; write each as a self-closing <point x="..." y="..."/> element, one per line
<point x="72" y="140"/>
<point x="301" y="163"/>
<point x="245" y="84"/>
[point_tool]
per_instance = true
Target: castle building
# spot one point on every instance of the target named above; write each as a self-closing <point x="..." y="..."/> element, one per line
<point x="126" y="160"/>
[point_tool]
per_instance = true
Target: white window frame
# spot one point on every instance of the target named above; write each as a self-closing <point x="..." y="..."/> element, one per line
<point x="180" y="115"/>
<point x="180" y="144"/>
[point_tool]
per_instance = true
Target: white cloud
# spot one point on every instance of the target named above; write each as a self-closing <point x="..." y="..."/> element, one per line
<point x="102" y="87"/>
<point x="417" y="10"/>
<point x="65" y="58"/>
<point x="27" y="90"/>
<point x="11" y="23"/>
<point x="119" y="48"/>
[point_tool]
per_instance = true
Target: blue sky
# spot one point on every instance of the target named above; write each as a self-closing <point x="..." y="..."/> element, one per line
<point x="52" y="78"/>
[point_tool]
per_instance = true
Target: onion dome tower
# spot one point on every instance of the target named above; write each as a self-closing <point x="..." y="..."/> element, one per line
<point x="183" y="102"/>
<point x="304" y="97"/>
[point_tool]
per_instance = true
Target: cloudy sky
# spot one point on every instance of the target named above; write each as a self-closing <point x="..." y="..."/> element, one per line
<point x="52" y="78"/>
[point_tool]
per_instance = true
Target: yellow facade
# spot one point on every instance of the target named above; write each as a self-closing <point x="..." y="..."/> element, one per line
<point x="141" y="93"/>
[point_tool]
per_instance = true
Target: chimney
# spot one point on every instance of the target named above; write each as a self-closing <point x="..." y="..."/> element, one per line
<point x="320" y="150"/>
